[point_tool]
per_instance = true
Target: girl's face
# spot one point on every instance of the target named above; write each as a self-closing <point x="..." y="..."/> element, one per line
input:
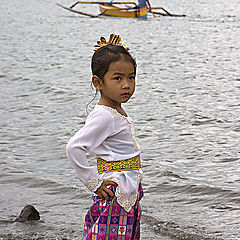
<point x="118" y="84"/>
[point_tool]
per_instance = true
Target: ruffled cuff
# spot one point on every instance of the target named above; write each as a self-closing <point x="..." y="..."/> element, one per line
<point x="94" y="184"/>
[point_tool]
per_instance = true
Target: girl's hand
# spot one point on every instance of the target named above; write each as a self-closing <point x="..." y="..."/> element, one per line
<point x="104" y="192"/>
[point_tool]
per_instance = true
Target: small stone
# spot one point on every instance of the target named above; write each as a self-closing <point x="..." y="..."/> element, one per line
<point x="29" y="213"/>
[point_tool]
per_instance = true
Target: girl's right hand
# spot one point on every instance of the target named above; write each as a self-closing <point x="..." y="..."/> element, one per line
<point x="104" y="192"/>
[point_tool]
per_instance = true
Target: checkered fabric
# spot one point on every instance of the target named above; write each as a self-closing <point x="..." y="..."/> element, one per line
<point x="122" y="165"/>
<point x="107" y="220"/>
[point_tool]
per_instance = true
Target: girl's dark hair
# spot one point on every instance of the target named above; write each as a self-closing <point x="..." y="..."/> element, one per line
<point x="106" y="55"/>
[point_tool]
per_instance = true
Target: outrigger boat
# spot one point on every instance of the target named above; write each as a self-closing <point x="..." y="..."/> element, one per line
<point x="112" y="9"/>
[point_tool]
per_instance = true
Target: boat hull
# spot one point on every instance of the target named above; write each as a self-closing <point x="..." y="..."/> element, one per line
<point x="121" y="12"/>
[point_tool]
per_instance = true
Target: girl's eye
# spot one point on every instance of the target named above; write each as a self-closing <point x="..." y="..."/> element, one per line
<point x="132" y="77"/>
<point x="117" y="78"/>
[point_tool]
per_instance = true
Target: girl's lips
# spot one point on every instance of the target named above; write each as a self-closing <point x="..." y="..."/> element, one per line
<point x="125" y="94"/>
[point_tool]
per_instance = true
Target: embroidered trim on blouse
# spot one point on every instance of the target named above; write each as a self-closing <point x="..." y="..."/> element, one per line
<point x="115" y="112"/>
<point x="133" y="135"/>
<point x="127" y="203"/>
<point x="94" y="184"/>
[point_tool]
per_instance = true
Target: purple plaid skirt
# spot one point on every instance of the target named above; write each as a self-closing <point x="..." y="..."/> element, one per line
<point x="107" y="220"/>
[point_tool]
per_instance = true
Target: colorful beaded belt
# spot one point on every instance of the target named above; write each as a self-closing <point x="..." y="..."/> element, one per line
<point x="115" y="166"/>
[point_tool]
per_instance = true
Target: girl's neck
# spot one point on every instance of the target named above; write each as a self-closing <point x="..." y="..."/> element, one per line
<point x="117" y="107"/>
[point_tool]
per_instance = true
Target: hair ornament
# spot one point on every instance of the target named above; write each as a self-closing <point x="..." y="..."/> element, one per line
<point x="114" y="39"/>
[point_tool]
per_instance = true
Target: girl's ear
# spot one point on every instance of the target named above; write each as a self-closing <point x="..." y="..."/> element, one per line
<point x="97" y="82"/>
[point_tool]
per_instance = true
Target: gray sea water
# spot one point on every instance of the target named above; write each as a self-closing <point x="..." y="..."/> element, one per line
<point x="186" y="111"/>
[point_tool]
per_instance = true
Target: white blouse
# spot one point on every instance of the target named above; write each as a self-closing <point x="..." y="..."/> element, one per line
<point x="108" y="135"/>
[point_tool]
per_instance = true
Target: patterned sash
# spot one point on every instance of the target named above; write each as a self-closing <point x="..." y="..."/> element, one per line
<point x="116" y="166"/>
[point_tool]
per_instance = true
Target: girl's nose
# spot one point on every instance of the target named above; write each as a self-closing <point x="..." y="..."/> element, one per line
<point x="125" y="84"/>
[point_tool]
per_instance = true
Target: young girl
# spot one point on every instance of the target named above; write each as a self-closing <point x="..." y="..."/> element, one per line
<point x="108" y="135"/>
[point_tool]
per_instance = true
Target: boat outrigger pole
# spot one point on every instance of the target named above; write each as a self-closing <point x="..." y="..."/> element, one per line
<point x="167" y="13"/>
<point x="103" y="3"/>
<point x="92" y="2"/>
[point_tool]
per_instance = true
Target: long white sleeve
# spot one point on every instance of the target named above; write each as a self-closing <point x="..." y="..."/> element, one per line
<point x="98" y="127"/>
